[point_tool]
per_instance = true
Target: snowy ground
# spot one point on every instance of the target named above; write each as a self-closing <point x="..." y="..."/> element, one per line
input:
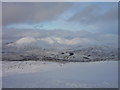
<point x="41" y="74"/>
<point x="0" y="74"/>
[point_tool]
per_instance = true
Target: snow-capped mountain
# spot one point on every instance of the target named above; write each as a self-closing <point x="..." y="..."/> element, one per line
<point x="76" y="54"/>
<point x="23" y="41"/>
<point x="49" y="40"/>
<point x="60" y="45"/>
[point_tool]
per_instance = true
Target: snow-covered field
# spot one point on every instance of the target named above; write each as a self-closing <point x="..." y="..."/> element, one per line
<point x="44" y="74"/>
<point x="0" y="74"/>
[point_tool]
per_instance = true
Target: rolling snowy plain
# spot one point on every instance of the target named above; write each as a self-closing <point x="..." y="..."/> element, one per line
<point x="44" y="74"/>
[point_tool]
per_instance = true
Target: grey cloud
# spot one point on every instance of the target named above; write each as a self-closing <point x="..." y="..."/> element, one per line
<point x="93" y="14"/>
<point x="0" y="14"/>
<point x="83" y="14"/>
<point x="112" y="14"/>
<point x="31" y="11"/>
<point x="97" y="19"/>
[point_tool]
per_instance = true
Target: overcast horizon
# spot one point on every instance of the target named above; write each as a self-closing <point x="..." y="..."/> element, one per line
<point x="92" y="17"/>
<point x="92" y="22"/>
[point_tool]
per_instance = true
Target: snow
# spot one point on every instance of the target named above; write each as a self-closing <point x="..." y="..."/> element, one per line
<point x="0" y="74"/>
<point x="24" y="40"/>
<point x="63" y="41"/>
<point x="41" y="74"/>
<point x="50" y="40"/>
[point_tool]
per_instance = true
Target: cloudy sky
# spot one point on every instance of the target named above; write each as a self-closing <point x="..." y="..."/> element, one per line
<point x="93" y="17"/>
